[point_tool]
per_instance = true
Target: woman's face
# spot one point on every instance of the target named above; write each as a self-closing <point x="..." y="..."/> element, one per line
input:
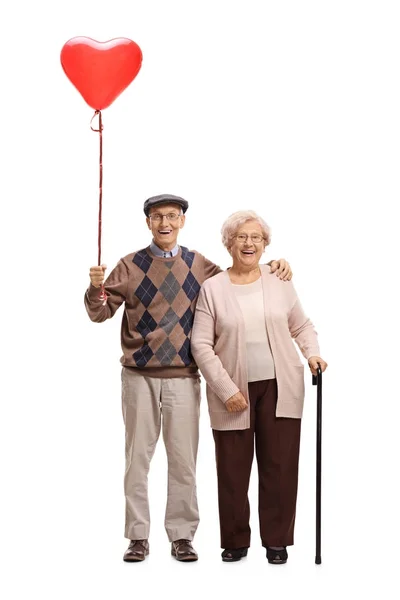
<point x="247" y="246"/>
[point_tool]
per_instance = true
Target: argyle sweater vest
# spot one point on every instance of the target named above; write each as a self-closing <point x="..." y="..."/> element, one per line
<point x="159" y="297"/>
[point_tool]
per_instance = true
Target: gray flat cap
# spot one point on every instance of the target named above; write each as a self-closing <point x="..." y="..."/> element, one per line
<point x="164" y="199"/>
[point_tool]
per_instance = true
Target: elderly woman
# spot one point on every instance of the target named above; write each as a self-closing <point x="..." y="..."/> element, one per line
<point x="242" y="336"/>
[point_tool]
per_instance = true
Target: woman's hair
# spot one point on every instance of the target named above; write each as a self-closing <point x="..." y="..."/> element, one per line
<point x="236" y="220"/>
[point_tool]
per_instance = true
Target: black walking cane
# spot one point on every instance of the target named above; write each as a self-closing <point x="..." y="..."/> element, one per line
<point x="317" y="380"/>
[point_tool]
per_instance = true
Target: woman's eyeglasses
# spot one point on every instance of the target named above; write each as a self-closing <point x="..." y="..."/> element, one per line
<point x="255" y="238"/>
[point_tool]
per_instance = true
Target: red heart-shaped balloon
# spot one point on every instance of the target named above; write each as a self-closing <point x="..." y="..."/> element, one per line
<point x="100" y="71"/>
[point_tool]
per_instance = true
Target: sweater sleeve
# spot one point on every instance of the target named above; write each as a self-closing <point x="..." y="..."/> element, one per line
<point x="115" y="287"/>
<point x="210" y="269"/>
<point x="301" y="328"/>
<point x="202" y="347"/>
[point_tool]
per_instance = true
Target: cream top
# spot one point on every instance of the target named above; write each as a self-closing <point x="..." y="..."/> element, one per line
<point x="260" y="363"/>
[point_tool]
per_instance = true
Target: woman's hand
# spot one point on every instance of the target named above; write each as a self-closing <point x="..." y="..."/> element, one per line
<point x="236" y="403"/>
<point x="316" y="361"/>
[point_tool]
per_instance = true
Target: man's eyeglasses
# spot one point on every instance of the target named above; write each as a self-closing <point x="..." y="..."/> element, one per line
<point x="255" y="238"/>
<point x="157" y="217"/>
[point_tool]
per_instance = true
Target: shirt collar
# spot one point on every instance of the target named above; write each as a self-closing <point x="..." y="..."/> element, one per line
<point x="154" y="249"/>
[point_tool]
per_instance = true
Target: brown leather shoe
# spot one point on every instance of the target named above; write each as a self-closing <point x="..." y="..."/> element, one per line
<point x="183" y="550"/>
<point x="137" y="551"/>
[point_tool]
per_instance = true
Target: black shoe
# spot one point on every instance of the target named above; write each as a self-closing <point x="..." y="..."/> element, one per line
<point x="277" y="557"/>
<point x="234" y="554"/>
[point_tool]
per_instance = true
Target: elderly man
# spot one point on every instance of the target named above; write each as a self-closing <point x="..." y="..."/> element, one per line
<point x="159" y="286"/>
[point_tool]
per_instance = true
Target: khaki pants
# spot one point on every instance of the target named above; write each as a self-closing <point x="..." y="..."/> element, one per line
<point x="149" y="403"/>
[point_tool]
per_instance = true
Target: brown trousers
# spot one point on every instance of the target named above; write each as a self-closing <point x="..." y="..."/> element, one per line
<point x="277" y="442"/>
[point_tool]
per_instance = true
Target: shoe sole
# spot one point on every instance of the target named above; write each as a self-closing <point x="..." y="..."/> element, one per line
<point x="135" y="560"/>
<point x="232" y="559"/>
<point x="277" y="562"/>
<point x="186" y="559"/>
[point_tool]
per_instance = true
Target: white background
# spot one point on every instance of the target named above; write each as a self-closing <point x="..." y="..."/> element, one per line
<point x="290" y="108"/>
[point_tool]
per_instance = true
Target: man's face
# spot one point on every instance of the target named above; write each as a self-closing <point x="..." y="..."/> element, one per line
<point x="164" y="222"/>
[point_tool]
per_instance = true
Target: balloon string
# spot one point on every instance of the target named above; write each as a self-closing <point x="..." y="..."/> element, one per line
<point x="100" y="132"/>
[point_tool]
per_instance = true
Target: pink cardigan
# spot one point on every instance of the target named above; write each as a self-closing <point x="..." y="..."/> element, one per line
<point x="219" y="348"/>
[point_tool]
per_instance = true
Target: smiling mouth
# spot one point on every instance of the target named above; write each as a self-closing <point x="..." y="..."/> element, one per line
<point x="165" y="231"/>
<point x="248" y="252"/>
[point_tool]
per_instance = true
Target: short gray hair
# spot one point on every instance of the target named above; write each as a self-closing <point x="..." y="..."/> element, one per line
<point x="239" y="218"/>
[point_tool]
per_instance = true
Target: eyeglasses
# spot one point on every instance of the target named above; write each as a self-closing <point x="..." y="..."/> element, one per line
<point x="255" y="238"/>
<point x="158" y="217"/>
